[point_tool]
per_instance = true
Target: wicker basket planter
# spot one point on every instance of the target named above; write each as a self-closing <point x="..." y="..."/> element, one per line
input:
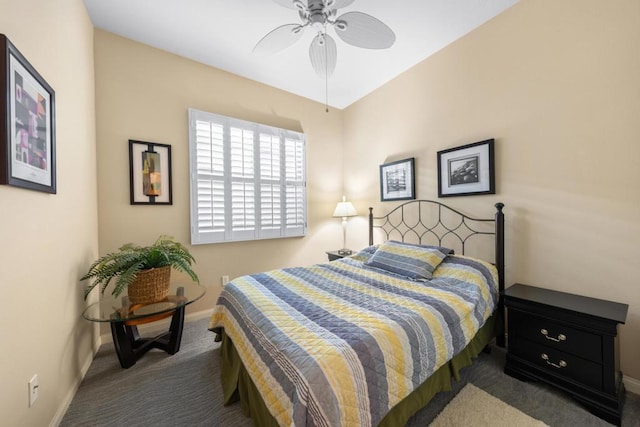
<point x="150" y="286"/>
<point x="144" y="270"/>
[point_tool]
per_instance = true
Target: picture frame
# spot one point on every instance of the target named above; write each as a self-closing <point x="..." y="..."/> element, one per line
<point x="27" y="123"/>
<point x="150" y="173"/>
<point x="467" y="170"/>
<point x="398" y="180"/>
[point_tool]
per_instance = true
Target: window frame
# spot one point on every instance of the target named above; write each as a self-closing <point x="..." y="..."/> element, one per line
<point x="259" y="232"/>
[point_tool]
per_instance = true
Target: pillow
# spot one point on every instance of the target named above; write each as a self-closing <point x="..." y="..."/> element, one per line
<point x="442" y="249"/>
<point x="416" y="262"/>
<point x="364" y="254"/>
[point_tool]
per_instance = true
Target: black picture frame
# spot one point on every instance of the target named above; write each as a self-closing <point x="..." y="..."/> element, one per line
<point x="27" y="123"/>
<point x="150" y="173"/>
<point x="467" y="170"/>
<point x="398" y="180"/>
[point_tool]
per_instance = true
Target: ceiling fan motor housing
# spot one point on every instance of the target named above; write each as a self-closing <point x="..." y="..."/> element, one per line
<point x="317" y="14"/>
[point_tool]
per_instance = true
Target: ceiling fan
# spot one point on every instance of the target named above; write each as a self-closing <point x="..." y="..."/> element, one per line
<point x="355" y="28"/>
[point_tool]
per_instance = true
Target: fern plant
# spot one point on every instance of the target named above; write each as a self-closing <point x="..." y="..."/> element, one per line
<point x="130" y="259"/>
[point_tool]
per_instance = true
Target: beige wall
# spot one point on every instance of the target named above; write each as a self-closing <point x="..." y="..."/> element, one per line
<point x="48" y="239"/>
<point x="558" y="85"/>
<point x="143" y="93"/>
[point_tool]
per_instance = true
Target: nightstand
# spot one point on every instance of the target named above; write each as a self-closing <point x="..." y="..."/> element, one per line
<point x="568" y="341"/>
<point x="334" y="255"/>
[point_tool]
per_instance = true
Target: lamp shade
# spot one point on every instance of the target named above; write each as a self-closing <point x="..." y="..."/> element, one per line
<point x="344" y="209"/>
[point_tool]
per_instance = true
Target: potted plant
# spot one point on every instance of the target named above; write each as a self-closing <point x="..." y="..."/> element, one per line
<point x="144" y="270"/>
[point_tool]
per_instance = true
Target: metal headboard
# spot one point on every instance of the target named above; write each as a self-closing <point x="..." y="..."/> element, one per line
<point x="406" y="221"/>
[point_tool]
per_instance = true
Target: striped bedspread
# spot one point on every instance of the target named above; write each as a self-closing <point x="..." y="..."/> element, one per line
<point x="339" y="344"/>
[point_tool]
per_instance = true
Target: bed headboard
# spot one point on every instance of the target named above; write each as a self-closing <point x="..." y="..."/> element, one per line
<point x="424" y="222"/>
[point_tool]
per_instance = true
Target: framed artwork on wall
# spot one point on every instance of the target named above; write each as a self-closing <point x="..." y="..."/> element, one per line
<point x="150" y="173"/>
<point x="397" y="180"/>
<point x="467" y="170"/>
<point x="27" y="123"/>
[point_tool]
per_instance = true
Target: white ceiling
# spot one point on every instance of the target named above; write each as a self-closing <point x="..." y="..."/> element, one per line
<point x="222" y="33"/>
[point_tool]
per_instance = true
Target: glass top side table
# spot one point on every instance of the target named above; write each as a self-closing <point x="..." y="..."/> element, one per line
<point x="125" y="317"/>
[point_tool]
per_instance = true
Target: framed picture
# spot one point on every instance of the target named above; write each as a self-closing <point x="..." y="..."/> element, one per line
<point x="27" y="123"/>
<point x="150" y="173"/>
<point x="397" y="180"/>
<point x="466" y="170"/>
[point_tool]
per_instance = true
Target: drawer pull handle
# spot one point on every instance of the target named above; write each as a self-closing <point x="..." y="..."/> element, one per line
<point x="561" y="337"/>
<point x="561" y="364"/>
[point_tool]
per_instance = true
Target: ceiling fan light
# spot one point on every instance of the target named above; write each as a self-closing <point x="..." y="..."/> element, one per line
<point x="341" y="25"/>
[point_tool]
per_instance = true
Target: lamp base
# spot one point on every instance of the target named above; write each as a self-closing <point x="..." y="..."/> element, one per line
<point x="345" y="252"/>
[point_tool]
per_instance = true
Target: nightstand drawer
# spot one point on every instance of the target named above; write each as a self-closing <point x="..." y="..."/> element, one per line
<point x="557" y="362"/>
<point x="556" y="335"/>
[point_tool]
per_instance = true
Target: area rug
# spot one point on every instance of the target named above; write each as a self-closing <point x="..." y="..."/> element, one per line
<point x="475" y="407"/>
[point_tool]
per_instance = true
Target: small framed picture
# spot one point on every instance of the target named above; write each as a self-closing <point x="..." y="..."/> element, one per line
<point x="150" y="173"/>
<point x="466" y="170"/>
<point x="27" y="123"/>
<point x="397" y="180"/>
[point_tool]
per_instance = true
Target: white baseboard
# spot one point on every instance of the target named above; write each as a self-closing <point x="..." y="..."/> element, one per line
<point x="162" y="324"/>
<point x="62" y="409"/>
<point x="631" y="384"/>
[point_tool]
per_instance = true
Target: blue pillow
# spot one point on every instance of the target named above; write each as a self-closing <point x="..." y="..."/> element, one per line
<point x="416" y="262"/>
<point x="442" y="249"/>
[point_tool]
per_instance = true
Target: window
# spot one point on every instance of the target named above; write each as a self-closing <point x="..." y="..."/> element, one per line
<point x="247" y="180"/>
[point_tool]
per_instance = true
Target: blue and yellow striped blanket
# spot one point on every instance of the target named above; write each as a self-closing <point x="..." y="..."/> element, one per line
<point x="339" y="344"/>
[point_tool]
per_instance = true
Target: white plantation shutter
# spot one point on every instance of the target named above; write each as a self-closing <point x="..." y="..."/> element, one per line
<point x="294" y="184"/>
<point x="270" y="183"/>
<point x="209" y="185"/>
<point x="247" y="180"/>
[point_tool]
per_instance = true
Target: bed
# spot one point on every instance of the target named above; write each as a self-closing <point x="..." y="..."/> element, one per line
<point x="369" y="339"/>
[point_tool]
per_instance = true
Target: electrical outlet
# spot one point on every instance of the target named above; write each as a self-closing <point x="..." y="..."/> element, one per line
<point x="33" y="390"/>
<point x="224" y="280"/>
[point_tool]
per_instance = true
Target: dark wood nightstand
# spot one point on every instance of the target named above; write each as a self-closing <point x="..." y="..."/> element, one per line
<point x="334" y="255"/>
<point x="568" y="341"/>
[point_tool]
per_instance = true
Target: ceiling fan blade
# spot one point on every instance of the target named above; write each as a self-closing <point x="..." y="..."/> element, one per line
<point x="323" y="54"/>
<point x="278" y="39"/>
<point x="293" y="4"/>
<point x="339" y="4"/>
<point x="363" y="30"/>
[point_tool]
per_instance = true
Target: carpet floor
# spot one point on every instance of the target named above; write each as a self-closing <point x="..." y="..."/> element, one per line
<point x="184" y="390"/>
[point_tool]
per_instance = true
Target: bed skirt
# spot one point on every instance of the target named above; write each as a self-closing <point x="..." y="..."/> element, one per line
<point x="237" y="385"/>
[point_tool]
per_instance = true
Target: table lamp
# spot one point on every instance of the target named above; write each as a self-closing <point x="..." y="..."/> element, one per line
<point x="344" y="209"/>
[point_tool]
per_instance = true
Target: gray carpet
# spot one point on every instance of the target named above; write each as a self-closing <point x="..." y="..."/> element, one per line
<point x="184" y="390"/>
